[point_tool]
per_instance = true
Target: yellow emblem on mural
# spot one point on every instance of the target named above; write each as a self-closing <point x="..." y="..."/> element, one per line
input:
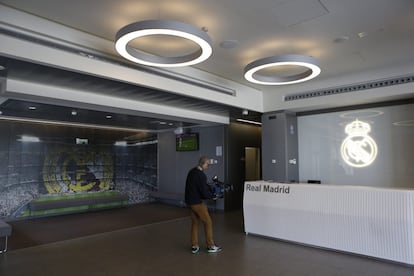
<point x="67" y="169"/>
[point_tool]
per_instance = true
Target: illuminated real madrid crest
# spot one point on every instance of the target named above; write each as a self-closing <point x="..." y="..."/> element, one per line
<point x="358" y="149"/>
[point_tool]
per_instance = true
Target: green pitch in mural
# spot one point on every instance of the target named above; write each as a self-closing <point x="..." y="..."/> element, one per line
<point x="68" y="169"/>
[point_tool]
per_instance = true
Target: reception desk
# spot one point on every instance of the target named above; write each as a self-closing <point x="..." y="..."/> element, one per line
<point x="377" y="222"/>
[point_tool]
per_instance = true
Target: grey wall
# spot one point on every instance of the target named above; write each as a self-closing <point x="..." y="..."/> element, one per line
<point x="392" y="128"/>
<point x="174" y="166"/>
<point x="279" y="140"/>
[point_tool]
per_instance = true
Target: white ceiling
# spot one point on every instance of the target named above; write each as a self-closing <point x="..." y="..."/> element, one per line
<point x="349" y="37"/>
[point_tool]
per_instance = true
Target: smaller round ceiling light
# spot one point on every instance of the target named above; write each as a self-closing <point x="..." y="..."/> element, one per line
<point x="168" y="28"/>
<point x="311" y="66"/>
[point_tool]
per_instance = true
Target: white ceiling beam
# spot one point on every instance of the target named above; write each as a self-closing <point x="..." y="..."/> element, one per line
<point x="20" y="89"/>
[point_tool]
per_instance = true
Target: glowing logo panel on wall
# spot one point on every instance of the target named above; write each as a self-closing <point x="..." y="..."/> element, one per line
<point x="358" y="149"/>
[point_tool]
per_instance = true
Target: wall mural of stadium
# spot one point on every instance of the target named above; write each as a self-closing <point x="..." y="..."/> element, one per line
<point x="51" y="165"/>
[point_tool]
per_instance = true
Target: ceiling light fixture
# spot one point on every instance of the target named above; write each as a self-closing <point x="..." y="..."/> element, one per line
<point x="162" y="27"/>
<point x="251" y="71"/>
<point x="249" y="122"/>
<point x="121" y="143"/>
<point x="83" y="125"/>
<point x="25" y="138"/>
<point x="362" y="34"/>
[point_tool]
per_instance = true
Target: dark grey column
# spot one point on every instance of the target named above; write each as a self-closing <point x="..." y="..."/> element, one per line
<point x="280" y="147"/>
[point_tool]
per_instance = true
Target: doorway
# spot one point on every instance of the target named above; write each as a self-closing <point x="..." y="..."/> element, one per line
<point x="252" y="164"/>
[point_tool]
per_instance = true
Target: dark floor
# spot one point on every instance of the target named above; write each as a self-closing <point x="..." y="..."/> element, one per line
<point x="162" y="248"/>
<point x="38" y="231"/>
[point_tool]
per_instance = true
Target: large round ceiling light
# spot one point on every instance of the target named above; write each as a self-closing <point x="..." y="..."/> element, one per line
<point x="162" y="27"/>
<point x="311" y="65"/>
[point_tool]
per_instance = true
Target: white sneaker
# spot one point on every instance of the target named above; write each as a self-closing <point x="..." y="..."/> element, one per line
<point x="214" y="249"/>
<point x="195" y="249"/>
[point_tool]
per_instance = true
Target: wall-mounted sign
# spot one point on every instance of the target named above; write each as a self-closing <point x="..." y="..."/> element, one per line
<point x="358" y="149"/>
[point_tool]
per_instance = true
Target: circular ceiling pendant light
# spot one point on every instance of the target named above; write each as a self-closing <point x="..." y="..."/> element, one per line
<point x="252" y="74"/>
<point x="162" y="27"/>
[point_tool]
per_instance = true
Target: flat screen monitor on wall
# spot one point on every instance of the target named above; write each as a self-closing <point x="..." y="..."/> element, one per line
<point x="187" y="142"/>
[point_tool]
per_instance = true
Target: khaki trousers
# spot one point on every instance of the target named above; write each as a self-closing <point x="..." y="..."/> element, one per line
<point x="200" y="212"/>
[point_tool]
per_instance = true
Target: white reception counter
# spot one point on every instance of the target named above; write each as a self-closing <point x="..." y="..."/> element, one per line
<point x="377" y="222"/>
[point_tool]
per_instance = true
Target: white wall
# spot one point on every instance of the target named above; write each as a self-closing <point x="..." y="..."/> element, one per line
<point x="320" y="138"/>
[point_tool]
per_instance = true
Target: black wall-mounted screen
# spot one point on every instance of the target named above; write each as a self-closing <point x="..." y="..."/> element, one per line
<point x="186" y="142"/>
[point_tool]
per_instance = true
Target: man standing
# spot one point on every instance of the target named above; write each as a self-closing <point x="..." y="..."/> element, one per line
<point x="197" y="190"/>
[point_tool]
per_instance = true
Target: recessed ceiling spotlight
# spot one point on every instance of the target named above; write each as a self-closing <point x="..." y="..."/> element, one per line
<point x="179" y="130"/>
<point x="2" y="67"/>
<point x="121" y="143"/>
<point x="245" y="112"/>
<point x="341" y="39"/>
<point x="229" y="44"/>
<point x="1" y="112"/>
<point x="163" y="123"/>
<point x="251" y="71"/>
<point x="74" y="113"/>
<point x="108" y="116"/>
<point x="164" y="28"/>
<point x="32" y="107"/>
<point x="25" y="138"/>
<point x="362" y="34"/>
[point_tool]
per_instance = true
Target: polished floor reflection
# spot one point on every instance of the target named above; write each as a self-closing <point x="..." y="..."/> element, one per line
<point x="163" y="248"/>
